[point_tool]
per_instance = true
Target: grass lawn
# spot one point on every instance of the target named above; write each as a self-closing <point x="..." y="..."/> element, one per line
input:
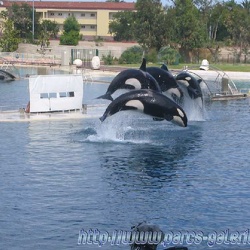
<point x="222" y="66"/>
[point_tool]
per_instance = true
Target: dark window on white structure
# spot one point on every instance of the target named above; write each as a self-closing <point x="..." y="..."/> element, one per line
<point x="52" y="95"/>
<point x="71" y="94"/>
<point x="62" y="94"/>
<point x="44" y="95"/>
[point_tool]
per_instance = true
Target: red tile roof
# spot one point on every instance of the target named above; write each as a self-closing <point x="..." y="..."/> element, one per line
<point x="76" y="5"/>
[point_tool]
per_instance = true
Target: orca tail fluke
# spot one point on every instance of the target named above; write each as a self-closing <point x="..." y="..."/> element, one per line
<point x="106" y="96"/>
<point x="103" y="118"/>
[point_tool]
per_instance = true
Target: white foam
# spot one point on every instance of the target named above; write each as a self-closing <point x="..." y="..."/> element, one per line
<point x="194" y="108"/>
<point x="122" y="127"/>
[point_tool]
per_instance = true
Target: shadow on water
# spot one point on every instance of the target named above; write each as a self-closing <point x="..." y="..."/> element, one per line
<point x="150" y="165"/>
<point x="142" y="163"/>
<point x="141" y="150"/>
<point x="61" y="176"/>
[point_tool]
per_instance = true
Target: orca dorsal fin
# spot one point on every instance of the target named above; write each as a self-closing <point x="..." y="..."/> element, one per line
<point x="143" y="65"/>
<point x="164" y="66"/>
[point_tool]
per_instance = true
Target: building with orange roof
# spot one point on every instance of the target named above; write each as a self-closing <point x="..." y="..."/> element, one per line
<point x="93" y="17"/>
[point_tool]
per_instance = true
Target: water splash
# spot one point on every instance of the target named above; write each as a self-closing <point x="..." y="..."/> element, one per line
<point x="108" y="131"/>
<point x="194" y="108"/>
<point x="121" y="128"/>
<point x="134" y="128"/>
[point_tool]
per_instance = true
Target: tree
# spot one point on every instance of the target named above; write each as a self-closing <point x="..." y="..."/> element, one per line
<point x="189" y="30"/>
<point x="245" y="45"/>
<point x="47" y="29"/>
<point x="21" y="15"/>
<point x="71" y="32"/>
<point x="212" y="15"/>
<point x="22" y="18"/>
<point x="122" y="26"/>
<point x="131" y="55"/>
<point x="9" y="39"/>
<point x="215" y="27"/>
<point x="240" y="33"/>
<point x="209" y="15"/>
<point x="150" y="24"/>
<point x="50" y="27"/>
<point x="246" y="5"/>
<point x="169" y="55"/>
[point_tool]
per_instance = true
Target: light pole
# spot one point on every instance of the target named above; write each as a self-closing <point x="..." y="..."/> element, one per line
<point x="33" y="21"/>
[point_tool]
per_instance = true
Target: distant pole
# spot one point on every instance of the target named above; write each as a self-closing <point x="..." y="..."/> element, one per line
<point x="33" y="22"/>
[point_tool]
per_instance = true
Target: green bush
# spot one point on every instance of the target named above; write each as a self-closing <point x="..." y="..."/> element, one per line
<point x="71" y="32"/>
<point x="132" y="55"/>
<point x="152" y="56"/>
<point x="169" y="56"/>
<point x="108" y="59"/>
<point x="71" y="38"/>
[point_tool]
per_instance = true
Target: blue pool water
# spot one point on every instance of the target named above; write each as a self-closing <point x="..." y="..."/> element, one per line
<point x="58" y="177"/>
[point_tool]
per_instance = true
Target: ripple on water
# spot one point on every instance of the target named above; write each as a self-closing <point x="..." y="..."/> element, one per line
<point x="58" y="177"/>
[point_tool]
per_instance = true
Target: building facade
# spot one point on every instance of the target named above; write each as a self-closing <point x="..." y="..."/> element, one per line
<point x="93" y="17"/>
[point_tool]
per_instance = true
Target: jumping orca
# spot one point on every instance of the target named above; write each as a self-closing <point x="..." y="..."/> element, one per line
<point x="166" y="81"/>
<point x="131" y="79"/>
<point x="149" y="102"/>
<point x="191" y="83"/>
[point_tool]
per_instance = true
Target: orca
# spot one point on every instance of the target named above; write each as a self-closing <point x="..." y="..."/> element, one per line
<point x="165" y="67"/>
<point x="192" y="84"/>
<point x="131" y="79"/>
<point x="166" y="81"/>
<point x="149" y="102"/>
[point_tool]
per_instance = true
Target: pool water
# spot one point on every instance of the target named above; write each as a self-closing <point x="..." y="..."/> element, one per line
<point x="58" y="177"/>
